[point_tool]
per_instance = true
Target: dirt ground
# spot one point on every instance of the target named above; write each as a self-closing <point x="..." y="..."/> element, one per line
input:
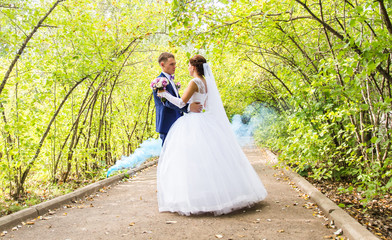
<point x="129" y="210"/>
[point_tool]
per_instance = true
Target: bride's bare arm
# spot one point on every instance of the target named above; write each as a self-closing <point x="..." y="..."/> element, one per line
<point x="189" y="91"/>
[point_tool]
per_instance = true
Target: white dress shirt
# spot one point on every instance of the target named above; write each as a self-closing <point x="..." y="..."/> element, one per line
<point x="172" y="83"/>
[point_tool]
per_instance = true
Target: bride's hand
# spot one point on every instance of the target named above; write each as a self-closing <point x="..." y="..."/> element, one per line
<point x="161" y="93"/>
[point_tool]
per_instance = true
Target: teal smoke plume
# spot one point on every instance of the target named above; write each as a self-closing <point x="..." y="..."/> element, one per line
<point x="243" y="126"/>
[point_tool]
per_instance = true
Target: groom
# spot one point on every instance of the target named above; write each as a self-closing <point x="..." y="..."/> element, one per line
<point x="166" y="112"/>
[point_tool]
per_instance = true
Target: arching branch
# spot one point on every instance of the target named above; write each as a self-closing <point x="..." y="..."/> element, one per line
<point x="24" y="45"/>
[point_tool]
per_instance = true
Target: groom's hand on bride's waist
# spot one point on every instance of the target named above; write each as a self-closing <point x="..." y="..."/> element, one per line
<point x="195" y="107"/>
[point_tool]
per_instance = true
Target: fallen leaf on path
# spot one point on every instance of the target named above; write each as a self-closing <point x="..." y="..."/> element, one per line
<point x="89" y="198"/>
<point x="65" y="214"/>
<point x="329" y="237"/>
<point x="3" y="233"/>
<point x="30" y="223"/>
<point x="132" y="223"/>
<point x="304" y="196"/>
<point x="280" y="231"/>
<point x="309" y="205"/>
<point x="338" y="232"/>
<point x="171" y="222"/>
<point x="218" y="236"/>
<point x="330" y="225"/>
<point x="341" y="238"/>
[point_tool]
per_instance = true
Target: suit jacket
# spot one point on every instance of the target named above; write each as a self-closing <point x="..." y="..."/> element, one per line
<point x="166" y="113"/>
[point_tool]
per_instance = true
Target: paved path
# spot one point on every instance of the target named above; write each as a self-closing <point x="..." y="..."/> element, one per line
<point x="129" y="210"/>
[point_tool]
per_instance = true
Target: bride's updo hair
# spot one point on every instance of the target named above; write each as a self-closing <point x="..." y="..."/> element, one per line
<point x="198" y="61"/>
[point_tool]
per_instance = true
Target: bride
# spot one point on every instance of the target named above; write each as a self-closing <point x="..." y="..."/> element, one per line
<point x="202" y="168"/>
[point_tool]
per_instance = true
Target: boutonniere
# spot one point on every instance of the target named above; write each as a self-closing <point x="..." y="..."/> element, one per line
<point x="178" y="85"/>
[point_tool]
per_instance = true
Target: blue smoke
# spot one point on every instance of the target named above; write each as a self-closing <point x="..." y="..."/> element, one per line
<point x="246" y="124"/>
<point x="149" y="148"/>
<point x="243" y="126"/>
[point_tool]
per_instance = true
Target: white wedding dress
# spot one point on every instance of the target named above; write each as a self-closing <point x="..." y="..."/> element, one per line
<point x="202" y="168"/>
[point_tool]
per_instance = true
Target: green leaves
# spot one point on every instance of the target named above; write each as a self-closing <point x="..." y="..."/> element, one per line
<point x="374" y="140"/>
<point x="332" y="94"/>
<point x="108" y="45"/>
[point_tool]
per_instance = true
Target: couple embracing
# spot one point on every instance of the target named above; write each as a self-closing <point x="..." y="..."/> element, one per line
<point x="202" y="168"/>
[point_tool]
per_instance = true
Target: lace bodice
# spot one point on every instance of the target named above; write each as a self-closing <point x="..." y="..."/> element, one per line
<point x="200" y="85"/>
<point x="201" y="94"/>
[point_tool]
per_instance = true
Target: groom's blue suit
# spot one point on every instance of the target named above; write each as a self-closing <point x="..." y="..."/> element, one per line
<point x="166" y="112"/>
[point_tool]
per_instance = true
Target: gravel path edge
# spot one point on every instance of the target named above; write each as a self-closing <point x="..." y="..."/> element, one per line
<point x="40" y="209"/>
<point x="351" y="227"/>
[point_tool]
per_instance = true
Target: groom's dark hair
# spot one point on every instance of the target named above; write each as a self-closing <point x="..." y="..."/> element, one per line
<point x="164" y="56"/>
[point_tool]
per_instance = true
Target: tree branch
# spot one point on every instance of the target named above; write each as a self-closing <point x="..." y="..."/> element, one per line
<point x="24" y="45"/>
<point x="384" y="15"/>
<point x="41" y="142"/>
<point x="356" y="49"/>
<point x="11" y="6"/>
